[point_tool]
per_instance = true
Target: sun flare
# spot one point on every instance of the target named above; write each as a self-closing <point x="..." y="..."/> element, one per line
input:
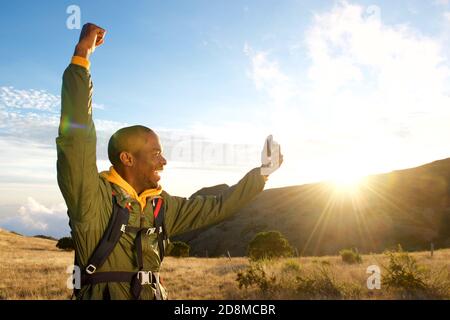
<point x="347" y="183"/>
<point x="347" y="180"/>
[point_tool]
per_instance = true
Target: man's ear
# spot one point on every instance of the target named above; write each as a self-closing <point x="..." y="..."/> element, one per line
<point x="126" y="158"/>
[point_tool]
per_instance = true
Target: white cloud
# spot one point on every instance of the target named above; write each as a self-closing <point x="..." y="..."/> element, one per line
<point x="371" y="82"/>
<point x="98" y="106"/>
<point x="28" y="99"/>
<point x="35" y="218"/>
<point x="268" y="77"/>
<point x="442" y="2"/>
<point x="346" y="47"/>
<point x="41" y="100"/>
<point x="447" y="16"/>
<point x="36" y="215"/>
<point x="375" y="98"/>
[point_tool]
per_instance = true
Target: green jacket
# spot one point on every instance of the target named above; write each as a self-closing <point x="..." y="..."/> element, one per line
<point x="89" y="196"/>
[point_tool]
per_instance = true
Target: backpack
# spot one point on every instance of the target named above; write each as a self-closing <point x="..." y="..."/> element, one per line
<point x="116" y="227"/>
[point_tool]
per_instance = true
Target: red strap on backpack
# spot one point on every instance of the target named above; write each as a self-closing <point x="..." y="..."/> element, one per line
<point x="158" y="207"/>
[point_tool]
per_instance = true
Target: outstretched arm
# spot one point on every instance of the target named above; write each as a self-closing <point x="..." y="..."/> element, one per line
<point x="184" y="215"/>
<point x="76" y="143"/>
<point x="188" y="214"/>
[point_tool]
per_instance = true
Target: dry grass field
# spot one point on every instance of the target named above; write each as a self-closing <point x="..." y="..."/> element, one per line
<point x="33" y="268"/>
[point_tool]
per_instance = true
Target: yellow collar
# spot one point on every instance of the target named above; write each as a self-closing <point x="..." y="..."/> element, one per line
<point x="113" y="177"/>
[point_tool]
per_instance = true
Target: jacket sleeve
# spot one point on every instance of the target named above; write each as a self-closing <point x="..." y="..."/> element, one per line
<point x="77" y="172"/>
<point x="183" y="214"/>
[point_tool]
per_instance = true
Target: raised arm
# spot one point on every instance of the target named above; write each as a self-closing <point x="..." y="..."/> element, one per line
<point x="76" y="143"/>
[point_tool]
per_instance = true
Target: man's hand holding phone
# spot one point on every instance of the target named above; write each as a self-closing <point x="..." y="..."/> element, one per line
<point x="271" y="156"/>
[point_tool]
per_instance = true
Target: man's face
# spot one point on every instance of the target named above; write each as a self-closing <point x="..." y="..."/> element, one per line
<point x="149" y="162"/>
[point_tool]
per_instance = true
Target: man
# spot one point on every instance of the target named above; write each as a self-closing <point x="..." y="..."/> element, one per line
<point x="121" y="219"/>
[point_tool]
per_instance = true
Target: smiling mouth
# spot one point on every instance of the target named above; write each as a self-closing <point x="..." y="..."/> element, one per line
<point x="158" y="172"/>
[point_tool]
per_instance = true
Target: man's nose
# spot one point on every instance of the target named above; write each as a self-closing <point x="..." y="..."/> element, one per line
<point x="163" y="161"/>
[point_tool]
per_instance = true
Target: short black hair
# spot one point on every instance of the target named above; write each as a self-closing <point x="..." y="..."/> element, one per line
<point x="125" y="140"/>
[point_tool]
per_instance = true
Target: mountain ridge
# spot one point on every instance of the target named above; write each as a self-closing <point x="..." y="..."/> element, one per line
<point x="409" y="206"/>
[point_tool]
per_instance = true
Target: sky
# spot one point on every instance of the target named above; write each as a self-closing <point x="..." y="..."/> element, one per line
<point x="348" y="89"/>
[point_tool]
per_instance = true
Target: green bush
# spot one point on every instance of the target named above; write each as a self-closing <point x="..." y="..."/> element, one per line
<point x="320" y="284"/>
<point x="267" y="245"/>
<point x="65" y="243"/>
<point x="178" y="249"/>
<point x="295" y="283"/>
<point x="255" y="275"/>
<point x="350" y="256"/>
<point x="291" y="266"/>
<point x="413" y="281"/>
<point x="403" y="272"/>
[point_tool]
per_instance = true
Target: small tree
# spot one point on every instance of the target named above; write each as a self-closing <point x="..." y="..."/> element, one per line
<point x="65" y="243"/>
<point x="178" y="249"/>
<point x="270" y="244"/>
<point x="350" y="256"/>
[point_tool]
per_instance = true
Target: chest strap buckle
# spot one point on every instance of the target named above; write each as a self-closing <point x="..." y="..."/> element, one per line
<point x="145" y="277"/>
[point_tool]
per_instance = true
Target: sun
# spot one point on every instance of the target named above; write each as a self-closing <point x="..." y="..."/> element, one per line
<point x="347" y="179"/>
<point x="347" y="183"/>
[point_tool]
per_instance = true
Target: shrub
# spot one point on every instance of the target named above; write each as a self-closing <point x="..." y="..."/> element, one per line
<point x="320" y="284"/>
<point x="178" y="249"/>
<point x="270" y="244"/>
<point x="291" y="266"/>
<point x="403" y="272"/>
<point x="65" y="243"/>
<point x="350" y="256"/>
<point x="299" y="283"/>
<point x="413" y="281"/>
<point x="255" y="275"/>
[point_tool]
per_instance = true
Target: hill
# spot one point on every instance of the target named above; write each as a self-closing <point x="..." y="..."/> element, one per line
<point x="410" y="207"/>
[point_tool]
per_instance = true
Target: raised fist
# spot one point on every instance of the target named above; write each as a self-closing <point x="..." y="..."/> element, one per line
<point x="91" y="37"/>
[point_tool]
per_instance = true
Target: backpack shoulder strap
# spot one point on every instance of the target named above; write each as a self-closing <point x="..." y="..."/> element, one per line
<point x="110" y="237"/>
<point x="159" y="214"/>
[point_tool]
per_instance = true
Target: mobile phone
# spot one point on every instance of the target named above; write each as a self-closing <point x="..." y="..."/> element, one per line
<point x="269" y="146"/>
